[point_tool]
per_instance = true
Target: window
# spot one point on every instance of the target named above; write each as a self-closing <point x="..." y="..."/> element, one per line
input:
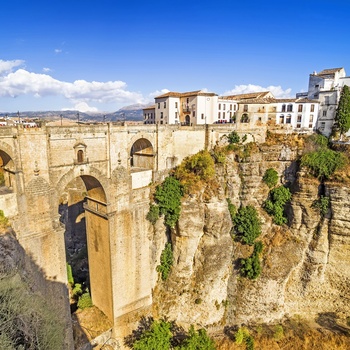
<point x="311" y="119"/>
<point x="175" y="115"/>
<point x="310" y="125"/>
<point x="244" y="118"/>
<point x="144" y="116"/>
<point x="224" y="107"/>
<point x="219" y="115"/>
<point x="175" y="104"/>
<point x="164" y="104"/>
<point x="245" y="108"/>
<point x="312" y="108"/>
<point x="193" y="113"/>
<point x="187" y="100"/>
<point x="158" y="105"/>
<point x="161" y="115"/>
<point x="326" y="100"/>
<point x="230" y="107"/>
<point x="80" y="156"/>
<point x="288" y="119"/>
<point x="317" y="86"/>
<point x="298" y="126"/>
<point x="223" y="115"/>
<point x="290" y="108"/>
<point x="299" y="119"/>
<point x="219" y="105"/>
<point x="283" y="108"/>
<point x="324" y="113"/>
<point x="202" y="116"/>
<point x="300" y="108"/>
<point x="282" y="119"/>
<point x="234" y="107"/>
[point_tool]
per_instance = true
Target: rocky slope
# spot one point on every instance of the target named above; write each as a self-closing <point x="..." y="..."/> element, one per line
<point x="305" y="271"/>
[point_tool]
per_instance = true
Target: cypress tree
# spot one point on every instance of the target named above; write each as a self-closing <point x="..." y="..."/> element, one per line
<point x="342" y="115"/>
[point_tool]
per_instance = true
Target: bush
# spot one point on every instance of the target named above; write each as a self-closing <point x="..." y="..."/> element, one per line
<point x="247" y="224"/>
<point x="156" y="338"/>
<point x="27" y="321"/>
<point x="153" y="214"/>
<point x="324" y="162"/>
<point x="274" y="206"/>
<point x="168" y="196"/>
<point x="232" y="209"/>
<point x="279" y="333"/>
<point x="270" y="177"/>
<point x="166" y="261"/>
<point x="197" y="340"/>
<point x="250" y="267"/>
<point x="322" y="204"/>
<point x="194" y="170"/>
<point x="233" y="137"/>
<point x="70" y="275"/>
<point x="85" y="300"/>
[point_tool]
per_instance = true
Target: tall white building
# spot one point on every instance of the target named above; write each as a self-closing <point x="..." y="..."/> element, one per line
<point x="326" y="87"/>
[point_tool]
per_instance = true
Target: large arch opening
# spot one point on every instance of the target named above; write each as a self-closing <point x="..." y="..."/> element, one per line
<point x="7" y="173"/>
<point x="141" y="154"/>
<point x="83" y="209"/>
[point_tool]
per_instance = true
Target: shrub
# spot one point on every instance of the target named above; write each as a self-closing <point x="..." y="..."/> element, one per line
<point x="156" y="338"/>
<point x="249" y="342"/>
<point x="70" y="275"/>
<point x="247" y="224"/>
<point x="324" y="162"/>
<point x="233" y="137"/>
<point x="77" y="290"/>
<point x="166" y="261"/>
<point x="168" y="196"/>
<point x="197" y="340"/>
<point x="279" y="333"/>
<point x="85" y="300"/>
<point x="250" y="267"/>
<point x="270" y="177"/>
<point x="274" y="206"/>
<point x="153" y="214"/>
<point x="195" y="169"/>
<point x="241" y="335"/>
<point x="322" y="204"/>
<point x="3" y="220"/>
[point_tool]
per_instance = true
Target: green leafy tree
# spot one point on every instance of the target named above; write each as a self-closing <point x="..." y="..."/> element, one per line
<point x="168" y="196"/>
<point x="158" y="337"/>
<point x="251" y="267"/>
<point x="270" y="177"/>
<point x="166" y="261"/>
<point x="342" y="116"/>
<point x="153" y="214"/>
<point x="274" y="206"/>
<point x="247" y="224"/>
<point x="233" y="137"/>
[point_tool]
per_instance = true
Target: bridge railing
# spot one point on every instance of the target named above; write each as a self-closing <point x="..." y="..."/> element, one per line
<point x="95" y="206"/>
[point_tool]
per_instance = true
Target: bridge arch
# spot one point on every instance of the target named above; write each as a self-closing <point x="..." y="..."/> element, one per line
<point x="8" y="167"/>
<point x="142" y="154"/>
<point x="82" y="199"/>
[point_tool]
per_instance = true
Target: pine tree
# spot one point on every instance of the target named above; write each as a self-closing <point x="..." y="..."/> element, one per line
<point x="342" y="115"/>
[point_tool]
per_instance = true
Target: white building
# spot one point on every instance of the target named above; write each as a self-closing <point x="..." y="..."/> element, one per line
<point x="325" y="87"/>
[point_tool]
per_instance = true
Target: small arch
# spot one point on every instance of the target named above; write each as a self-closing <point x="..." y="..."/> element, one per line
<point x="245" y="118"/>
<point x="142" y="154"/>
<point x="7" y="172"/>
<point x="187" y="120"/>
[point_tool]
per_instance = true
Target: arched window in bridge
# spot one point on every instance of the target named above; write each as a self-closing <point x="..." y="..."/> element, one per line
<point x="80" y="153"/>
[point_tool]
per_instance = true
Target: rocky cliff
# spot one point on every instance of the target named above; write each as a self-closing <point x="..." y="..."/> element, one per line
<point x="305" y="264"/>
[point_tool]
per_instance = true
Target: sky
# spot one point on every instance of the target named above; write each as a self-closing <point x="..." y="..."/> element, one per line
<point x="99" y="56"/>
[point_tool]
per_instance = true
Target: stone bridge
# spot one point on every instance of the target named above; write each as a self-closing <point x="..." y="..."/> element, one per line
<point x="113" y="165"/>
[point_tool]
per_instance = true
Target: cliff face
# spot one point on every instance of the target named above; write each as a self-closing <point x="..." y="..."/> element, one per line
<point x="304" y="264"/>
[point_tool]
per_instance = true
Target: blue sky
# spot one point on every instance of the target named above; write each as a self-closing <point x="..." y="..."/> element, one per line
<point x="103" y="55"/>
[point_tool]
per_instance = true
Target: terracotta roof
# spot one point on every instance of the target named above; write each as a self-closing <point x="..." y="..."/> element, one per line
<point x="330" y="71"/>
<point x="150" y="107"/>
<point x="187" y="94"/>
<point x="262" y="94"/>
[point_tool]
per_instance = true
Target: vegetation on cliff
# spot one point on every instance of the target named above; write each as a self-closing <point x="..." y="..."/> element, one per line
<point x="163" y="335"/>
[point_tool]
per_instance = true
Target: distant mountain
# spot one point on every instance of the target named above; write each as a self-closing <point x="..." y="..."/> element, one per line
<point x="132" y="113"/>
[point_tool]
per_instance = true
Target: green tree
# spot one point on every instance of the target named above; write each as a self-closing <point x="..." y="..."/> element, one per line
<point x="342" y="116"/>
<point x="274" y="206"/>
<point x="247" y="224"/>
<point x="197" y="340"/>
<point x="166" y="261"/>
<point x="233" y="137"/>
<point x="168" y="196"/>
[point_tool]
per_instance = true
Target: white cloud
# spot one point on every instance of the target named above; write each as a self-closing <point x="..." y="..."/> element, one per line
<point x="158" y="93"/>
<point x="82" y="107"/>
<point x="46" y="70"/>
<point x="277" y="91"/>
<point x="58" y="50"/>
<point x="7" y="66"/>
<point x="21" y="82"/>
